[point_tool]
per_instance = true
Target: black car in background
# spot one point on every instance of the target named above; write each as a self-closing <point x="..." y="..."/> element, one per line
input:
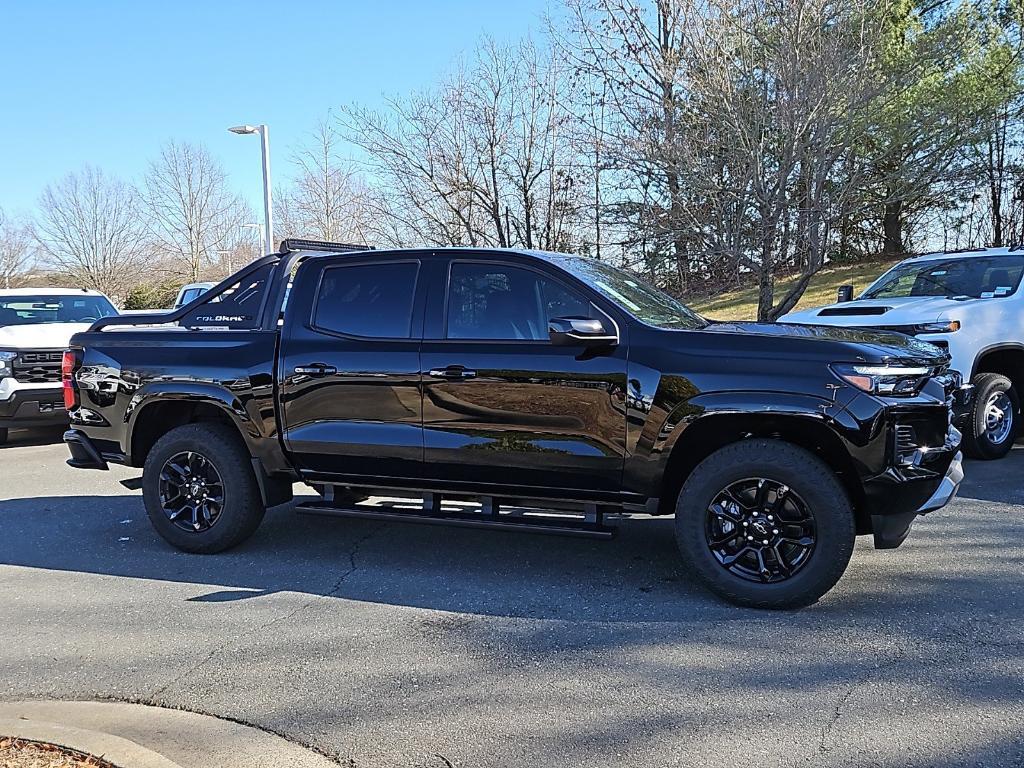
<point x="523" y="381"/>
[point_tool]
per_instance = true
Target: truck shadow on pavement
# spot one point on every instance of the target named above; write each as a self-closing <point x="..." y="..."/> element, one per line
<point x="635" y="577"/>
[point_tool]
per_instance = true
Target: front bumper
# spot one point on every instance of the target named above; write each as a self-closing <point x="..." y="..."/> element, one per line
<point x="892" y="530"/>
<point x="33" y="408"/>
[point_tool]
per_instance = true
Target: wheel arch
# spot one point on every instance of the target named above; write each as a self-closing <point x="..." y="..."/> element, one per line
<point x="159" y="409"/>
<point x="708" y="433"/>
<point x="1006" y="359"/>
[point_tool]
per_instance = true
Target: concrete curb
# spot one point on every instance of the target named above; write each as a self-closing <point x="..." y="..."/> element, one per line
<point x="113" y="749"/>
<point x="140" y="736"/>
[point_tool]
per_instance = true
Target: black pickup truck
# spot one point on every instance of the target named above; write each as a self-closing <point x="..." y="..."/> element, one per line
<point x="517" y="390"/>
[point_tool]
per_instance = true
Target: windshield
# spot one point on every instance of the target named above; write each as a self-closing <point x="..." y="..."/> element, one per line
<point x="642" y="300"/>
<point x="978" y="277"/>
<point x="43" y="308"/>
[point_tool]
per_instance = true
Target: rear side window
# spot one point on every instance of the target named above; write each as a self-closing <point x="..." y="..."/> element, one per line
<point x="237" y="307"/>
<point x="369" y="300"/>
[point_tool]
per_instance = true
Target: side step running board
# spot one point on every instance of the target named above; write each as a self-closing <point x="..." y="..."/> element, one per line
<point x="590" y="523"/>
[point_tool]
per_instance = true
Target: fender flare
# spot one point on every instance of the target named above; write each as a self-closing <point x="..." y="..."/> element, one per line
<point x="1005" y="346"/>
<point x="191" y="392"/>
<point x="783" y="405"/>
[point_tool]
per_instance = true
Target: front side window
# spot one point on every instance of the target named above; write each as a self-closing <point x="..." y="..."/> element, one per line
<point x="43" y="308"/>
<point x="500" y="302"/>
<point x="370" y="300"/>
<point x="978" y="277"/>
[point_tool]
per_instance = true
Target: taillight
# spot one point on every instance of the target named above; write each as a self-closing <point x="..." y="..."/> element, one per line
<point x="68" y="364"/>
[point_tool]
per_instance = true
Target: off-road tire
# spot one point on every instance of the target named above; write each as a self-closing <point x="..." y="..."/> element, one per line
<point x="243" y="507"/>
<point x="977" y="444"/>
<point x="819" y="488"/>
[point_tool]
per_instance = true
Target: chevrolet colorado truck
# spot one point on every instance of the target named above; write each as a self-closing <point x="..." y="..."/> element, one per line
<point x="520" y="391"/>
<point x="969" y="303"/>
<point x="36" y="325"/>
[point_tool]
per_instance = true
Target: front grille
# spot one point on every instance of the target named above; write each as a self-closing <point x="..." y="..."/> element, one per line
<point x="38" y="367"/>
<point x="906" y="439"/>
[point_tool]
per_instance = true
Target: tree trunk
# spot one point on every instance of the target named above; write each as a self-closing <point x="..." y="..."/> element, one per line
<point x="765" y="295"/>
<point x="892" y="228"/>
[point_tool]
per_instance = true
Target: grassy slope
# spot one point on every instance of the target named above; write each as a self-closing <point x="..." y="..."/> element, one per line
<point x="742" y="304"/>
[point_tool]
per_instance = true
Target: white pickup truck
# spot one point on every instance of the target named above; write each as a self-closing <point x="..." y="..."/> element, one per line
<point x="36" y="325"/>
<point x="969" y="302"/>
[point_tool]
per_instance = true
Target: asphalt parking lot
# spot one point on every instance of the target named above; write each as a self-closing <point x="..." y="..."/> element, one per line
<point x="392" y="645"/>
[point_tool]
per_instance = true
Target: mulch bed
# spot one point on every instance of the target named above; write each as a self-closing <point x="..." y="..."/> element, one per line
<point x="15" y="753"/>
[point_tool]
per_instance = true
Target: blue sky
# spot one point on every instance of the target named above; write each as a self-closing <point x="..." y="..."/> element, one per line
<point x="105" y="83"/>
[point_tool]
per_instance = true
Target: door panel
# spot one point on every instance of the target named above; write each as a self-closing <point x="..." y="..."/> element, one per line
<point x="350" y="400"/>
<point x="529" y="414"/>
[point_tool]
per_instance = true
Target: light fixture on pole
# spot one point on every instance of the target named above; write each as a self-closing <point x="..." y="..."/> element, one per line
<point x="264" y="133"/>
<point x="259" y="230"/>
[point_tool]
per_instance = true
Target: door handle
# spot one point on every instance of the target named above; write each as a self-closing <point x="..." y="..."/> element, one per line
<point x="452" y="373"/>
<point x="316" y="369"/>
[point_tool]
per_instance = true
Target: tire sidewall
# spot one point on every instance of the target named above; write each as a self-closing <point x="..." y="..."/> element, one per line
<point x="242" y="510"/>
<point x="987" y="385"/>
<point x="808" y="477"/>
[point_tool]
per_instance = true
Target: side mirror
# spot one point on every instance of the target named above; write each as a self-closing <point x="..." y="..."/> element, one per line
<point x="579" y="332"/>
<point x="845" y="293"/>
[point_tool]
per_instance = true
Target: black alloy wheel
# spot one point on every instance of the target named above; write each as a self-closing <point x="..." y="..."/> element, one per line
<point x="765" y="524"/>
<point x="191" y="491"/>
<point x="760" y="530"/>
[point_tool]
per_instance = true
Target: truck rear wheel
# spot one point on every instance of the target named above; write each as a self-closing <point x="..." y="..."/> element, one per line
<point x="765" y="524"/>
<point x="199" y="488"/>
<point x="992" y="422"/>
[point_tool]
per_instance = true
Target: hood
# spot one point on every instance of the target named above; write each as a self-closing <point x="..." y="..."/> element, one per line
<point x="884" y="312"/>
<point x="866" y="344"/>
<point x="40" y="335"/>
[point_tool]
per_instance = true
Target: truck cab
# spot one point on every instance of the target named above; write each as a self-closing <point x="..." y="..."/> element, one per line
<point x="36" y="325"/>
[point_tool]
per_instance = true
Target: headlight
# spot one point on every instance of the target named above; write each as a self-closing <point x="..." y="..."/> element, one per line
<point x="944" y="326"/>
<point x="898" y="380"/>
<point x="6" y="358"/>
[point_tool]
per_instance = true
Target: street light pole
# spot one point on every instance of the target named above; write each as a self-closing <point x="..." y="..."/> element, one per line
<point x="259" y="230"/>
<point x="268" y="204"/>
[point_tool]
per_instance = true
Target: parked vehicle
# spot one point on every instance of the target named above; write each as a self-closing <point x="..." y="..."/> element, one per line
<point x="190" y="292"/>
<point x="36" y="325"/>
<point x="969" y="303"/>
<point x="521" y="379"/>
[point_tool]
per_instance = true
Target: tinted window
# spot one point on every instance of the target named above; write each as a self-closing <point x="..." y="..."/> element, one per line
<point x="237" y="306"/>
<point x="65" y="308"/>
<point x="367" y="300"/>
<point x="501" y="302"/>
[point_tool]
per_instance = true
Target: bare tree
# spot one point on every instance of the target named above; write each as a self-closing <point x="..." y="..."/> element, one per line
<point x="192" y="212"/>
<point x="327" y="200"/>
<point x="15" y="251"/>
<point x="89" y="229"/>
<point x="485" y="159"/>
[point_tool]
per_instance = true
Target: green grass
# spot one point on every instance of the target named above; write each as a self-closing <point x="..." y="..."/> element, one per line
<point x="742" y="304"/>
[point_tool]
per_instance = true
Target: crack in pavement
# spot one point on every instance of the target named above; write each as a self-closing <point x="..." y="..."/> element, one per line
<point x="332" y="592"/>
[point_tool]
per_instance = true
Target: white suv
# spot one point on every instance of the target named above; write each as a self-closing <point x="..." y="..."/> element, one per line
<point x="36" y="325"/>
<point x="969" y="302"/>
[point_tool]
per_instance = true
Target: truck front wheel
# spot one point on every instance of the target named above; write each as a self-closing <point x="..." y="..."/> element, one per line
<point x="199" y="488"/>
<point x="992" y="422"/>
<point x="765" y="524"/>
